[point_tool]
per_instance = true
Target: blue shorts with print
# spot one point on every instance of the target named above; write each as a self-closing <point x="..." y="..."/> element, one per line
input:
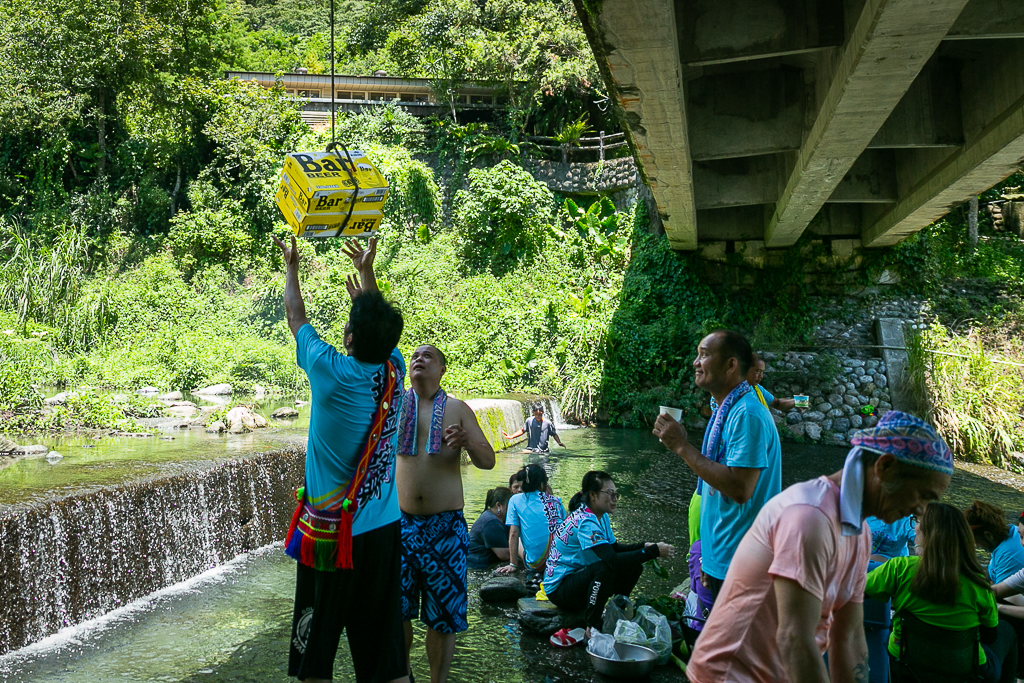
<point x="434" y="554"/>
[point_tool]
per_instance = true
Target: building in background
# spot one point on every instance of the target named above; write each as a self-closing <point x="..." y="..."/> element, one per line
<point x="475" y="102"/>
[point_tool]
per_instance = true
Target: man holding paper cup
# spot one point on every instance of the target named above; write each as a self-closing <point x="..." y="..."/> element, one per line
<point x="740" y="463"/>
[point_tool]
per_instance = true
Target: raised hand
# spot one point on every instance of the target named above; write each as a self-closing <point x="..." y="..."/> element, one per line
<point x="362" y="257"/>
<point x="353" y="286"/>
<point x="291" y="256"/>
<point x="671" y="433"/>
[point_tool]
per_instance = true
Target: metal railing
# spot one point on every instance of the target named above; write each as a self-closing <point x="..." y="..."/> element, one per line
<point x="600" y="144"/>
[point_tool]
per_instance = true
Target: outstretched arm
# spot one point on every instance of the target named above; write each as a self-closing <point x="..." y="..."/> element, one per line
<point x="522" y="430"/>
<point x="362" y="258"/>
<point x="467" y="434"/>
<point x="784" y="404"/>
<point x="294" y="306"/>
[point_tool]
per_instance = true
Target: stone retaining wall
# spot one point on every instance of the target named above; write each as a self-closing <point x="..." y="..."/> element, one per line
<point x="583" y="178"/>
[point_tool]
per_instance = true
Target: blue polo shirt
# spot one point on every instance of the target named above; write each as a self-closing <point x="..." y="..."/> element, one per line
<point x="571" y="549"/>
<point x="530" y="511"/>
<point x="345" y="393"/>
<point x="1008" y="557"/>
<point x="890" y="540"/>
<point x="751" y="440"/>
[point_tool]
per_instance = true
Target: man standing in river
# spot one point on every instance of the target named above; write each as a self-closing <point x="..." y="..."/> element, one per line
<point x="345" y="534"/>
<point x="537" y="429"/>
<point x="740" y="465"/>
<point x="434" y="429"/>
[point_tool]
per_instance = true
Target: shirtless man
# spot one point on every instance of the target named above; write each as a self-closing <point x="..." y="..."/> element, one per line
<point x="434" y="536"/>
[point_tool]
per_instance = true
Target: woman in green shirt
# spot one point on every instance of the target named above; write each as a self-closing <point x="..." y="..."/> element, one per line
<point x="945" y="586"/>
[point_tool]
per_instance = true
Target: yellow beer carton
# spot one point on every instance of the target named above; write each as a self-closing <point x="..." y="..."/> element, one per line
<point x="326" y="224"/>
<point x="333" y="200"/>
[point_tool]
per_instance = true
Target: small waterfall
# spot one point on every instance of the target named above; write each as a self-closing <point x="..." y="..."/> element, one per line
<point x="75" y="558"/>
<point x="496" y="415"/>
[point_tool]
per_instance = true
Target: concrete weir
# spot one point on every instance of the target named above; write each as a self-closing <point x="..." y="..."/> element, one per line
<point x="78" y="557"/>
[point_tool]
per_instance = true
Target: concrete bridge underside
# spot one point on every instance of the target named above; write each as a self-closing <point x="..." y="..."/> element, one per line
<point x="766" y="119"/>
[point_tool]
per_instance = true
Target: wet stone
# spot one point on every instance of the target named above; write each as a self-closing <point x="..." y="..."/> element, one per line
<point x="840" y="425"/>
<point x="794" y="418"/>
<point x="545" y="618"/>
<point x="823" y="407"/>
<point x="503" y="589"/>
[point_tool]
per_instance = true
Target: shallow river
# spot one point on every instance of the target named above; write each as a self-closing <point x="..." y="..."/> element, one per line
<point x="232" y="624"/>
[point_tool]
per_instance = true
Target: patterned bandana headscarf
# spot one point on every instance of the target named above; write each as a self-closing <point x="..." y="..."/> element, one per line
<point x="910" y="439"/>
<point x="713" y="445"/>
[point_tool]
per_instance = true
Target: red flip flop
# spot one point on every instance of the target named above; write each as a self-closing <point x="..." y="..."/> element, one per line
<point x="567" y="638"/>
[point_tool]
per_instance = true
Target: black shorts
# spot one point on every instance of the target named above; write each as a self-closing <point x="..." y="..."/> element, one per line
<point x="364" y="601"/>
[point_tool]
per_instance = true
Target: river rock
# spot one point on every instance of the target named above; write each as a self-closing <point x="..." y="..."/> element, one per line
<point x="881" y="380"/>
<point x="545" y="618"/>
<point x="56" y="400"/>
<point x="814" y="416"/>
<point x="834" y="399"/>
<point x="799" y="429"/>
<point x="504" y="589"/>
<point x="840" y="425"/>
<point x="301" y="403"/>
<point x="171" y="396"/>
<point x="7" y="446"/>
<point x="54" y="457"/>
<point x="31" y="450"/>
<point x="851" y="400"/>
<point x="823" y="407"/>
<point x="812" y="431"/>
<point x="794" y="418"/>
<point x="259" y="391"/>
<point x="148" y="390"/>
<point x="856" y="421"/>
<point x="182" y="409"/>
<point x="284" y="413"/>
<point x="215" y="390"/>
<point x="870" y="421"/>
<point x="216" y="427"/>
<point x="240" y="420"/>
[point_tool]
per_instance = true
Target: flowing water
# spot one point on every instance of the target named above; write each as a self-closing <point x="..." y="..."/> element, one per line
<point x="232" y="623"/>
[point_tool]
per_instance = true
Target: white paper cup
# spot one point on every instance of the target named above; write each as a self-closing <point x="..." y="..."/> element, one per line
<point x="675" y="413"/>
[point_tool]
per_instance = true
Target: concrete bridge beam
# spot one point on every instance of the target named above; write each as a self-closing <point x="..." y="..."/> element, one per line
<point x="642" y="58"/>
<point x="865" y="88"/>
<point x="994" y="130"/>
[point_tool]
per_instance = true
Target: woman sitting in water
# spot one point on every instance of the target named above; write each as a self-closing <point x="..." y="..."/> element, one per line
<point x="488" y="539"/>
<point x="514" y="483"/>
<point x="533" y="517"/>
<point x="586" y="565"/>
<point x="993" y="534"/>
<point x="946" y="587"/>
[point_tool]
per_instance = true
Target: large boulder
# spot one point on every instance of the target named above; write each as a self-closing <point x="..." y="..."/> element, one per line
<point x="504" y="589"/>
<point x="240" y="420"/>
<point x="57" y="399"/>
<point x="215" y="390"/>
<point x="31" y="450"/>
<point x="812" y="431"/>
<point x="284" y="413"/>
<point x="216" y="427"/>
<point x="545" y="618"/>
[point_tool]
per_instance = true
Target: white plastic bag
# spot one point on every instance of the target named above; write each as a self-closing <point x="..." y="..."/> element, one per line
<point x="631" y="633"/>
<point x="656" y="629"/>
<point x="602" y="645"/>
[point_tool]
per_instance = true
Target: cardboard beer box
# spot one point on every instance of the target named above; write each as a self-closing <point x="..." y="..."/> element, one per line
<point x="324" y="172"/>
<point x="361" y="223"/>
<point x="333" y="200"/>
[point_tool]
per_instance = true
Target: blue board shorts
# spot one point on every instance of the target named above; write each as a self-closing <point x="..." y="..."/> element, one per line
<point x="435" y="549"/>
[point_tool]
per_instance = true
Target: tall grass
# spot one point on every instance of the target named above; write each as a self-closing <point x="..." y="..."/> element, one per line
<point x="977" y="405"/>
